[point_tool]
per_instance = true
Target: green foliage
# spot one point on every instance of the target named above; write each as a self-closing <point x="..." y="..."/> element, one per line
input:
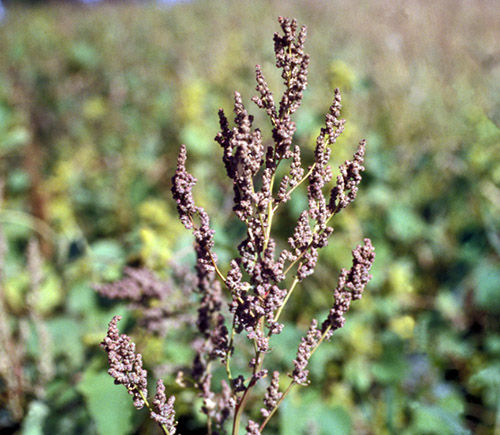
<point x="33" y="422"/>
<point x="104" y="97"/>
<point x="106" y="402"/>
<point x="305" y="413"/>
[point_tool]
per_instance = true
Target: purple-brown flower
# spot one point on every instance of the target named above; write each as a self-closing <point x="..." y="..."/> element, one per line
<point x="306" y="346"/>
<point x="272" y="396"/>
<point x="163" y="409"/>
<point x="125" y="365"/>
<point x="264" y="173"/>
<point x="350" y="286"/>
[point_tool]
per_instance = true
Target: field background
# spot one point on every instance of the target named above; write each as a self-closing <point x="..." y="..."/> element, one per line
<point x="94" y="104"/>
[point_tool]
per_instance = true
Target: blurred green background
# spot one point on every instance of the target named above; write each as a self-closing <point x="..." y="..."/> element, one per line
<point x="94" y="103"/>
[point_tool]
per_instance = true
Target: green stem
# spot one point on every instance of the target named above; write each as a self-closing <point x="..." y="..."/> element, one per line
<point x="228" y="357"/>
<point x="217" y="271"/>
<point x="263" y="425"/>
<point x="242" y="403"/>
<point x="259" y="360"/>
<point x="163" y="427"/>
<point x="280" y="309"/>
<point x="292" y="383"/>
<point x="320" y="341"/>
<point x="270" y="212"/>
<point x="304" y="178"/>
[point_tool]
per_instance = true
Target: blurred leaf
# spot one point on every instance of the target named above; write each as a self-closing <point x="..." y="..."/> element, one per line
<point x="391" y="367"/>
<point x="493" y="344"/>
<point x="109" y="405"/>
<point x="404" y="223"/>
<point x="341" y="75"/>
<point x="50" y="292"/>
<point x="403" y="326"/>
<point x="488" y="379"/>
<point x="107" y="257"/>
<point x="34" y="420"/>
<point x="357" y="373"/>
<point x="94" y="108"/>
<point x="306" y="413"/>
<point x="195" y="138"/>
<point x="16" y="137"/>
<point x="66" y="336"/>
<point x="487" y="291"/>
<point x="434" y="419"/>
<point x="18" y="180"/>
<point x="83" y="56"/>
<point x="285" y="344"/>
<point x="81" y="299"/>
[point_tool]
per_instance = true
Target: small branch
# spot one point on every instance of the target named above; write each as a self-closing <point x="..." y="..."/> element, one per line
<point x="320" y="341"/>
<point x="263" y="425"/>
<point x="163" y="427"/>
<point x="229" y="352"/>
<point x="217" y="270"/>
<point x="212" y="259"/>
<point x="280" y="309"/>
<point x="293" y="263"/>
<point x="304" y="178"/>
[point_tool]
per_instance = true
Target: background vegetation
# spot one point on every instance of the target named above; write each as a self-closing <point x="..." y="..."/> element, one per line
<point x="94" y="103"/>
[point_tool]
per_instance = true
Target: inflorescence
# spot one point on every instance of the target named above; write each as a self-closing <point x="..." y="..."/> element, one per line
<point x="256" y="278"/>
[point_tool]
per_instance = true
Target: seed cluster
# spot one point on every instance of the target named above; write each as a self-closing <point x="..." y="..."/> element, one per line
<point x="261" y="278"/>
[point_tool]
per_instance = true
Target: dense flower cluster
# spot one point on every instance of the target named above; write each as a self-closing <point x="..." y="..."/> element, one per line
<point x="350" y="286"/>
<point x="125" y="366"/>
<point x="161" y="304"/>
<point x="256" y="279"/>
<point x="163" y="408"/>
<point x="306" y="347"/>
<point x="272" y="396"/>
<point x="252" y="428"/>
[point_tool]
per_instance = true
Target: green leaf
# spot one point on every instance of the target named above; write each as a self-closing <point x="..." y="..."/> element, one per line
<point x="33" y="423"/>
<point x="434" y="419"/>
<point x="109" y="405"/>
<point x="488" y="379"/>
<point x="108" y="258"/>
<point x="66" y="335"/>
<point x="305" y="410"/>
<point x="81" y="299"/>
<point x="404" y="223"/>
<point x="357" y="373"/>
<point x="487" y="292"/>
<point x="195" y="138"/>
<point x="392" y="366"/>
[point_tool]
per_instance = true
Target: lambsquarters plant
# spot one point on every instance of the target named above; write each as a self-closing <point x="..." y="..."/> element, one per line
<point x="253" y="291"/>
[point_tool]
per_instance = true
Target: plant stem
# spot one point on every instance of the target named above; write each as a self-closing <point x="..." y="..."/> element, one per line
<point x="292" y="383"/>
<point x="280" y="309"/>
<point x="228" y="356"/>
<point x="242" y="403"/>
<point x="217" y="271"/>
<point x="320" y="340"/>
<point x="163" y="427"/>
<point x="304" y="178"/>
<point x="259" y="360"/>
<point x="263" y="425"/>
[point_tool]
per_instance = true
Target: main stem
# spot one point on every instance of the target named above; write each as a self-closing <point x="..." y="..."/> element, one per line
<point x="259" y="359"/>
